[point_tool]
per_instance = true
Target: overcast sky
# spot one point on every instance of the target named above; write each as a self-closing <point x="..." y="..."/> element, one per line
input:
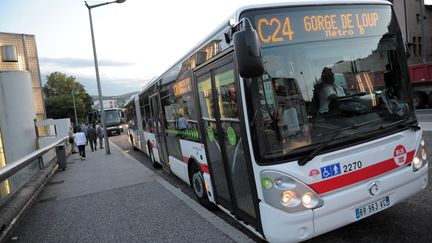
<point x="135" y="40"/>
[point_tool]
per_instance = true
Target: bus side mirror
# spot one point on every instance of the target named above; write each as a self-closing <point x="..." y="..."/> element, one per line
<point x="248" y="51"/>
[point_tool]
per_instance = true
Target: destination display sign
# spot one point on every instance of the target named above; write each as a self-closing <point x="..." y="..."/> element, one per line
<point x="306" y="24"/>
<point x="182" y="87"/>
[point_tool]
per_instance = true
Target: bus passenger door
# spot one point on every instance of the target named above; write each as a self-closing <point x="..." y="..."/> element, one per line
<point x="159" y="124"/>
<point x="227" y="160"/>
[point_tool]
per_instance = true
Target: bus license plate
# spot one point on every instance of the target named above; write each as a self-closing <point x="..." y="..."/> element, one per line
<point x="373" y="207"/>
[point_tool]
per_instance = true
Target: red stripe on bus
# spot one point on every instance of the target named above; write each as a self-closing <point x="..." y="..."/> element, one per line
<point x="358" y="175"/>
<point x="204" y="168"/>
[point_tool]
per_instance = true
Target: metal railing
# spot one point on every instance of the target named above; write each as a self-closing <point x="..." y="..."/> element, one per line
<point x="14" y="167"/>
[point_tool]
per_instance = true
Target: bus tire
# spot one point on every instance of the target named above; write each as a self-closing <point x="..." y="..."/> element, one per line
<point x="152" y="158"/>
<point x="429" y="99"/>
<point x="133" y="146"/>
<point x="419" y="99"/>
<point x="198" y="186"/>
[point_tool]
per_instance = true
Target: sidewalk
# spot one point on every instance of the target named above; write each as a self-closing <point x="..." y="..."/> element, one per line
<point x="114" y="198"/>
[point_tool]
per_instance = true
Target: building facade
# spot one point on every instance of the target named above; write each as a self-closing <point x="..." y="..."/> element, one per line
<point x="415" y="20"/>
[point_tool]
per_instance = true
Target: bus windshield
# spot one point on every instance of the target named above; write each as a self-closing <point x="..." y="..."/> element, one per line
<point x="333" y="74"/>
<point x="112" y="117"/>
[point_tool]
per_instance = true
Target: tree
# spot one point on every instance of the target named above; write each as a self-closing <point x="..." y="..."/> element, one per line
<point x="58" y="97"/>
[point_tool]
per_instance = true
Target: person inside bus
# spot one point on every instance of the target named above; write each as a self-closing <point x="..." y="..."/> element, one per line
<point x="182" y="123"/>
<point x="329" y="90"/>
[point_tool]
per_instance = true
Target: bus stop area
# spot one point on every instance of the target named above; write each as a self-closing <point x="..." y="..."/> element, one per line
<point x="114" y="198"/>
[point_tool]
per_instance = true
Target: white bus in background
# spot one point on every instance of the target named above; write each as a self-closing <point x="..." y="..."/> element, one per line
<point x="240" y="119"/>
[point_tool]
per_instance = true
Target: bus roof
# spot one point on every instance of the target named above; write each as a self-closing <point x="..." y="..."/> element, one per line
<point x="236" y="17"/>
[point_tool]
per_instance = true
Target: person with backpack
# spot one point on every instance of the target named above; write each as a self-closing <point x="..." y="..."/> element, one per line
<point x="91" y="135"/>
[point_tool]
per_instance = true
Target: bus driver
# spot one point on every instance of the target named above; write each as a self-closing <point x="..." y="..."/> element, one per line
<point x="329" y="90"/>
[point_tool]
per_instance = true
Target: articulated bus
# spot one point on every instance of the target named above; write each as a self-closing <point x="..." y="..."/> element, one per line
<point x="294" y="118"/>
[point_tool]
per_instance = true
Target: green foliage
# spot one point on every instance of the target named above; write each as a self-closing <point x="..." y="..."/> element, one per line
<point x="58" y="97"/>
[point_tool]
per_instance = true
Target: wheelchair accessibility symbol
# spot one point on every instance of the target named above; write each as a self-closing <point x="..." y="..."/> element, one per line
<point x="330" y="170"/>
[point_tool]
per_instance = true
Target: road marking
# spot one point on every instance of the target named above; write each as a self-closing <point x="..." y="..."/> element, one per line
<point x="426" y="126"/>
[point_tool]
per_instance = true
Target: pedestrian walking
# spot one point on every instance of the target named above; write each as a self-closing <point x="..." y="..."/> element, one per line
<point x="71" y="139"/>
<point x="91" y="136"/>
<point x="100" y="135"/>
<point x="81" y="141"/>
<point x="84" y="129"/>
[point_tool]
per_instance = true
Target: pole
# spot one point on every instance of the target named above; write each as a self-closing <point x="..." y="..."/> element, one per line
<point x="422" y="31"/>
<point x="107" y="149"/>
<point x="73" y="99"/>
<point x="406" y="22"/>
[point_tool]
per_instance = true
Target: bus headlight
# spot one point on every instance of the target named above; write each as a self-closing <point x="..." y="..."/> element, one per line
<point x="287" y="193"/>
<point x="287" y="198"/>
<point x="420" y="158"/>
<point x="310" y="200"/>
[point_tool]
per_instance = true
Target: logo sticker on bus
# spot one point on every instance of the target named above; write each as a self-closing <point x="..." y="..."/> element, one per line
<point x="330" y="170"/>
<point x="314" y="173"/>
<point x="400" y="155"/>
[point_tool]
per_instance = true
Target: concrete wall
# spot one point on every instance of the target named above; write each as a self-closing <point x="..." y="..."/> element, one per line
<point x="17" y="114"/>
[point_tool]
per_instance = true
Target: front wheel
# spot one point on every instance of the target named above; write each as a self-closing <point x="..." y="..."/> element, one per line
<point x="198" y="185"/>
<point x="419" y="99"/>
<point x="430" y="100"/>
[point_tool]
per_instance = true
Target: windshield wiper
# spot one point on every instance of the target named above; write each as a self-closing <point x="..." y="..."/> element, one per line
<point x="403" y="124"/>
<point x="324" y="144"/>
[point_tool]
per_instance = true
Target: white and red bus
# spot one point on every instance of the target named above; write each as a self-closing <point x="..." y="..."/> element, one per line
<point x="294" y="118"/>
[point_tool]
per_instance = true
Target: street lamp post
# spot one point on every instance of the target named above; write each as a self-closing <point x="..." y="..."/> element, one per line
<point x="89" y="7"/>
<point x="74" y="106"/>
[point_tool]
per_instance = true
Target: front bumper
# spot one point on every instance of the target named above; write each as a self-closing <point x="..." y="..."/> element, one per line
<point x="339" y="206"/>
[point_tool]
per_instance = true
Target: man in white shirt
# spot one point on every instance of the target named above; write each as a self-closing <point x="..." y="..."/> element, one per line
<point x="329" y="90"/>
<point x="81" y="141"/>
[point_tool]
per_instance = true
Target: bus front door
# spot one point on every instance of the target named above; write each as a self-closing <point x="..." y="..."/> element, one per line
<point x="221" y="125"/>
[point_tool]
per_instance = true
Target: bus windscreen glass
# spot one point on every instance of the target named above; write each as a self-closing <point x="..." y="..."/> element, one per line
<point x="334" y="75"/>
<point x="112" y="117"/>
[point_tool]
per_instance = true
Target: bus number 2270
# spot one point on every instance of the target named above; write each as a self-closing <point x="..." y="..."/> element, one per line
<point x="352" y="166"/>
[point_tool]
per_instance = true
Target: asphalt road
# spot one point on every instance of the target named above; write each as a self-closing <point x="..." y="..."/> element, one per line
<point x="409" y="221"/>
<point x="424" y="115"/>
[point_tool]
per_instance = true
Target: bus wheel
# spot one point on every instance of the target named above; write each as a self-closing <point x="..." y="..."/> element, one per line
<point x="419" y="99"/>
<point x="198" y="185"/>
<point x="133" y="146"/>
<point x="152" y="158"/>
<point x="430" y="100"/>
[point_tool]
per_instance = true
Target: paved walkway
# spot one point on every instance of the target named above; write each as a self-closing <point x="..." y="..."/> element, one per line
<point x="114" y="198"/>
